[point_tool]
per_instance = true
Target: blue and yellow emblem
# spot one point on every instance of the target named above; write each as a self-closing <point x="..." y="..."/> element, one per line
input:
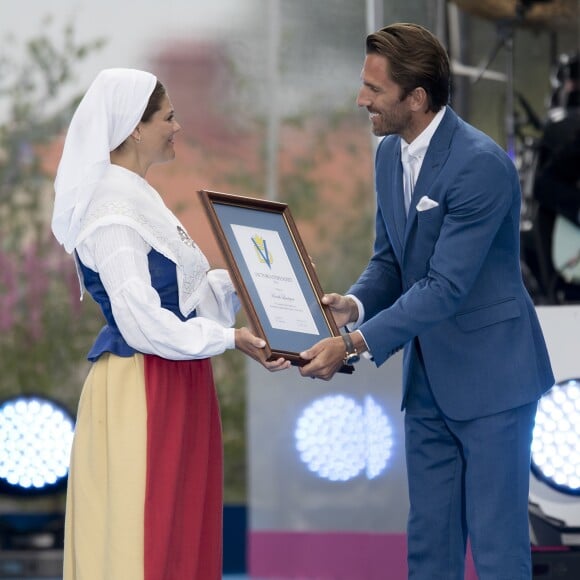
<point x="261" y="247"/>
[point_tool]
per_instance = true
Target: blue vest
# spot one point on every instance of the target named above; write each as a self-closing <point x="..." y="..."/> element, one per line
<point x="163" y="279"/>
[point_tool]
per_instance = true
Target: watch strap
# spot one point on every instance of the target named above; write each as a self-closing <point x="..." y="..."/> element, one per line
<point x="349" y="346"/>
<point x="351" y="355"/>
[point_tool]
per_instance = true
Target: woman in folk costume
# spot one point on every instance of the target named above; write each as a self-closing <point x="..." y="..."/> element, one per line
<point x="145" y="486"/>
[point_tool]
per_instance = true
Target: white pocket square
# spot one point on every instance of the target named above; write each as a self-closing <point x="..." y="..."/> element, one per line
<point x="426" y="203"/>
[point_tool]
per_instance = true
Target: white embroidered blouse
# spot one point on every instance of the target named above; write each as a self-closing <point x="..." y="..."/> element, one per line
<point x="127" y="218"/>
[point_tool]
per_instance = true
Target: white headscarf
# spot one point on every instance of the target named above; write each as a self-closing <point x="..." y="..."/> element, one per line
<point x="108" y="113"/>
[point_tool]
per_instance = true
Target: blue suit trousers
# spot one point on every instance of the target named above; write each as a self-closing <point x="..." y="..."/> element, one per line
<point x="467" y="479"/>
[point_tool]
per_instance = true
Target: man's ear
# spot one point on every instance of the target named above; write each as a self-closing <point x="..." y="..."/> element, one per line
<point x="418" y="99"/>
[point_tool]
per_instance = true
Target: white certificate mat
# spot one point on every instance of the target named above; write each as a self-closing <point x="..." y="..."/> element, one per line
<point x="275" y="280"/>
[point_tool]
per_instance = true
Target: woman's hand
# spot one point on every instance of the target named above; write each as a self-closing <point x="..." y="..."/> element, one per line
<point x="253" y="346"/>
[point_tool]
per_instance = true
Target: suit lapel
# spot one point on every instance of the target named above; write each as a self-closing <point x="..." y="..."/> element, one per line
<point x="435" y="158"/>
<point x="389" y="187"/>
<point x="398" y="215"/>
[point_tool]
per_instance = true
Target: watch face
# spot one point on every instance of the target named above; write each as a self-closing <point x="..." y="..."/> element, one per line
<point x="352" y="358"/>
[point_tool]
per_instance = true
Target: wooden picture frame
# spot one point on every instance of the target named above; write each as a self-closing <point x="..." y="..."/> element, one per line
<point x="272" y="273"/>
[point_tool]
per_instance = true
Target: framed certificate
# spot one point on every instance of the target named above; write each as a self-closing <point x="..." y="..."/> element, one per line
<point x="272" y="272"/>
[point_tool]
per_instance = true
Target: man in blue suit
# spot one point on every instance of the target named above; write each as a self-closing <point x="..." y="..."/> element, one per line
<point x="444" y="282"/>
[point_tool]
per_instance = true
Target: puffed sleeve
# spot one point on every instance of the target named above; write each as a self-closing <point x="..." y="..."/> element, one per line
<point x="220" y="302"/>
<point x="119" y="255"/>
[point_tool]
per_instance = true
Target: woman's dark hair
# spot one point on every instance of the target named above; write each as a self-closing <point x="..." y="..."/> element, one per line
<point x="416" y="59"/>
<point x="154" y="103"/>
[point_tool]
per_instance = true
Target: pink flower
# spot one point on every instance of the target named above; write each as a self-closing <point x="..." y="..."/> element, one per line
<point x="34" y="280"/>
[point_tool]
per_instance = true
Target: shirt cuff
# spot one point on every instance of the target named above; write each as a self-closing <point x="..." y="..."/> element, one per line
<point x="367" y="353"/>
<point x="361" y="313"/>
<point x="354" y="325"/>
<point x="230" y="337"/>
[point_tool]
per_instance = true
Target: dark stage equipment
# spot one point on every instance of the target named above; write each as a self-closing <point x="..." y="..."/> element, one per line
<point x="550" y="174"/>
<point x="556" y="564"/>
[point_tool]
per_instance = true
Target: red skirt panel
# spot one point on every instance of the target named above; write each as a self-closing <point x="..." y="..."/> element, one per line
<point x="183" y="493"/>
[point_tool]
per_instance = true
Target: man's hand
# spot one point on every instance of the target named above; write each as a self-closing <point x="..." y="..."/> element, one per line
<point x="254" y="347"/>
<point x="325" y="357"/>
<point x="344" y="309"/>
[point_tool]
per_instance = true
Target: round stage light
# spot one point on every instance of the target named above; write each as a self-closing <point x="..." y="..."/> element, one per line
<point x="337" y="438"/>
<point x="35" y="442"/>
<point x="556" y="438"/>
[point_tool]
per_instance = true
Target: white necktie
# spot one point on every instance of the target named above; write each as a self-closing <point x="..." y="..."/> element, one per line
<point x="409" y="177"/>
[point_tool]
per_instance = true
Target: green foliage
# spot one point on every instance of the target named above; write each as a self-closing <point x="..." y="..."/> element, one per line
<point x="244" y="181"/>
<point x="230" y="377"/>
<point x="300" y="193"/>
<point x="340" y="266"/>
<point x="42" y="335"/>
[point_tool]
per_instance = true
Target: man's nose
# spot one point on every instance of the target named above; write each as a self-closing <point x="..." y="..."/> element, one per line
<point x="362" y="99"/>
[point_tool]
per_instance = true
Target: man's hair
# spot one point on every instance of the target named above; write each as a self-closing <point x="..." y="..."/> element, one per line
<point x="416" y="59"/>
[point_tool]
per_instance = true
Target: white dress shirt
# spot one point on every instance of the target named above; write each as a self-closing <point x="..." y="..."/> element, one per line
<point x="412" y="155"/>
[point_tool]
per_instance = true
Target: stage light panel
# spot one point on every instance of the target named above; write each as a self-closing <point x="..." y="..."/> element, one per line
<point x="337" y="438"/>
<point x="556" y="438"/>
<point x="35" y="442"/>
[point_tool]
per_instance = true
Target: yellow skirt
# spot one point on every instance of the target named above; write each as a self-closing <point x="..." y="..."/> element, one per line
<point x="104" y="524"/>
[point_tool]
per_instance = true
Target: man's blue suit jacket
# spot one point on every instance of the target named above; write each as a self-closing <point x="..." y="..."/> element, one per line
<point x="451" y="276"/>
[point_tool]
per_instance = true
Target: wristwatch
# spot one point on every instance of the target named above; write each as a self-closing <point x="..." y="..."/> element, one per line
<point x="351" y="355"/>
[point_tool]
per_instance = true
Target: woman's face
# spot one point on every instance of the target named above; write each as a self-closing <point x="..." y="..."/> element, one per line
<point x="157" y="134"/>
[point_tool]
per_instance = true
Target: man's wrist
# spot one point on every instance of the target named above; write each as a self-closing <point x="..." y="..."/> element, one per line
<point x="351" y="355"/>
<point x="359" y="341"/>
<point x="356" y="312"/>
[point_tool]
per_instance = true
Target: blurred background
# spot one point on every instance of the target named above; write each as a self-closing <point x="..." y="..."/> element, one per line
<point x="265" y="92"/>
